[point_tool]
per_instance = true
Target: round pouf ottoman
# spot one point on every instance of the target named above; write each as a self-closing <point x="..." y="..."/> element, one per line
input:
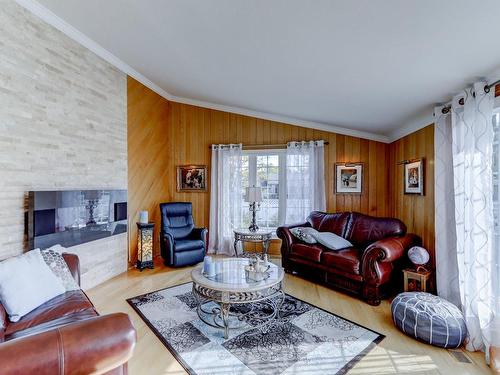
<point x="429" y="318"/>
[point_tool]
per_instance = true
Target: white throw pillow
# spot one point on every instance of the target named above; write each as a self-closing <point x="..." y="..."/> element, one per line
<point x="332" y="241"/>
<point x="26" y="282"/>
<point x="305" y="234"/>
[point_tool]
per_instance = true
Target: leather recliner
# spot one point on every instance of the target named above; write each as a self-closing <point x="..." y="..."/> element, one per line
<point x="65" y="336"/>
<point x="371" y="268"/>
<point x="181" y="243"/>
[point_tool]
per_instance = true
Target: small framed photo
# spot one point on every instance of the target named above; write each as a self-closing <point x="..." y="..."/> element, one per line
<point x="191" y="178"/>
<point x="349" y="178"/>
<point x="414" y="177"/>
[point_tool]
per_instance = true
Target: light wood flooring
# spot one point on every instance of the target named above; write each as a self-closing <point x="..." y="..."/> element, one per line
<point x="396" y="354"/>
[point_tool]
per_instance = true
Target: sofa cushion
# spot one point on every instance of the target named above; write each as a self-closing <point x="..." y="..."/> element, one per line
<point x="305" y="234"/>
<point x="26" y="282"/>
<point x="334" y="223"/>
<point x="59" y="267"/>
<point x="347" y="260"/>
<point x="332" y="241"/>
<point x="364" y="230"/>
<point x="306" y="251"/>
<point x="63" y="306"/>
<point x="186" y="245"/>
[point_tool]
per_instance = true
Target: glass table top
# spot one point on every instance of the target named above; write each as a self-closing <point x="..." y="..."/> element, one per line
<point x="231" y="274"/>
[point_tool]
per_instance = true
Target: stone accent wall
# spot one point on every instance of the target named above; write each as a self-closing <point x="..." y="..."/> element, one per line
<point x="62" y="126"/>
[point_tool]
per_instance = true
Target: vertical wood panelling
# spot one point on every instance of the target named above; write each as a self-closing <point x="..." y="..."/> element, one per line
<point x="416" y="211"/>
<point x="183" y="134"/>
<point x="149" y="159"/>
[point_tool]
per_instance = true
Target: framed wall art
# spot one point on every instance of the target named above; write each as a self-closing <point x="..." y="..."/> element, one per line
<point x="349" y="178"/>
<point x="191" y="178"/>
<point x="414" y="177"/>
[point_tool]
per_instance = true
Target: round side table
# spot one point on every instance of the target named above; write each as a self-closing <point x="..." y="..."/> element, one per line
<point x="245" y="235"/>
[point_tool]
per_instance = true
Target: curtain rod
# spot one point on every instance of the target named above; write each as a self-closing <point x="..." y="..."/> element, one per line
<point x="487" y="89"/>
<point x="277" y="145"/>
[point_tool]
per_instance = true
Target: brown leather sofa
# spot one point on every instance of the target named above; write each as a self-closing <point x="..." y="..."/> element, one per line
<point x="371" y="268"/>
<point x="66" y="335"/>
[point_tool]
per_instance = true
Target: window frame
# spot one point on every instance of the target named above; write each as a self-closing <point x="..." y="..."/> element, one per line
<point x="252" y="177"/>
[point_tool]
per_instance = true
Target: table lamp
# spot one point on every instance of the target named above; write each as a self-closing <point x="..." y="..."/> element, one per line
<point x="253" y="196"/>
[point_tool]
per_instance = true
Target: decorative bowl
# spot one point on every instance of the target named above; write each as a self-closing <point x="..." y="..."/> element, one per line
<point x="418" y="255"/>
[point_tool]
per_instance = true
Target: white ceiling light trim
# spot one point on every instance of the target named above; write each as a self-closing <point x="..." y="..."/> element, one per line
<point x="52" y="19"/>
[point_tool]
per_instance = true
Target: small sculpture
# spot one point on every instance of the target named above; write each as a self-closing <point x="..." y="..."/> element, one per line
<point x="256" y="269"/>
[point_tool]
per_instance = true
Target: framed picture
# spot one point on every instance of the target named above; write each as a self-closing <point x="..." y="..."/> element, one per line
<point x="349" y="178"/>
<point x="192" y="178"/>
<point x="414" y="177"/>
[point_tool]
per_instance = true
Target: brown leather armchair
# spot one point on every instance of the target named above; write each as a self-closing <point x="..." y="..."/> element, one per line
<point x="370" y="268"/>
<point x="65" y="336"/>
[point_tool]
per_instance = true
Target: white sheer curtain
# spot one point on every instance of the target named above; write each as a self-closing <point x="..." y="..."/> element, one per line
<point x="225" y="197"/>
<point x="444" y="204"/>
<point x="475" y="248"/>
<point x="305" y="180"/>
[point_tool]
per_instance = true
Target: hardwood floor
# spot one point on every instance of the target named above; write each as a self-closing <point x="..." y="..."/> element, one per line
<point x="396" y="354"/>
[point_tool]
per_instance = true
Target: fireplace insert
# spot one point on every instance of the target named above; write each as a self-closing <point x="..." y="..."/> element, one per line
<point x="73" y="217"/>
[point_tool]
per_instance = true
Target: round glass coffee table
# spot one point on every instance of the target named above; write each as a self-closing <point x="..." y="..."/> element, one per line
<point x="226" y="300"/>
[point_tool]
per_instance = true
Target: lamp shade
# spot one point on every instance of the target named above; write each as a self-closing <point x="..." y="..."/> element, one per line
<point x="253" y="194"/>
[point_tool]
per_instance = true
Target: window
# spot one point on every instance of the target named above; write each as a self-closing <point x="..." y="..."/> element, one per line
<point x="265" y="169"/>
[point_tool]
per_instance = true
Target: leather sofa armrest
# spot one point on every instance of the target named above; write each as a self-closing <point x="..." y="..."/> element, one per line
<point x="200" y="234"/>
<point x="287" y="238"/>
<point x="92" y="346"/>
<point x="393" y="248"/>
<point x="73" y="264"/>
<point x="386" y="251"/>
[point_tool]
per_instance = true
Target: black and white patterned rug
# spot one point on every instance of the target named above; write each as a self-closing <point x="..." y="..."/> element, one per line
<point x="305" y="340"/>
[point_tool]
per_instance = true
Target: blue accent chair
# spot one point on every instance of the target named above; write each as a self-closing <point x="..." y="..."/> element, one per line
<point x="181" y="243"/>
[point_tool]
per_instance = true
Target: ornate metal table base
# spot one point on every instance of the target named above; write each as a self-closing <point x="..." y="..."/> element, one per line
<point x="226" y="303"/>
<point x="241" y="236"/>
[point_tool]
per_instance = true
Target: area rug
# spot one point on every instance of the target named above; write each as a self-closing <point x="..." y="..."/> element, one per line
<point x="305" y="340"/>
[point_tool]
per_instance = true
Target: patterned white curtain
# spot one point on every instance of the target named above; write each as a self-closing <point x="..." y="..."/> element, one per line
<point x="475" y="249"/>
<point x="305" y="179"/>
<point x="444" y="200"/>
<point x="225" y="197"/>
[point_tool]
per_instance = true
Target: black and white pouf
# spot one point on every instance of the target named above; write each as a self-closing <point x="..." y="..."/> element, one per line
<point x="429" y="318"/>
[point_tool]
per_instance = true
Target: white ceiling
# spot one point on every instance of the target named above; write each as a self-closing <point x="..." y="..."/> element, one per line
<point x="368" y="65"/>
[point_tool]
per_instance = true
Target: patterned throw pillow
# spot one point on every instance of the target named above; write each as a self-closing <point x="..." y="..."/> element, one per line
<point x="58" y="265"/>
<point x="305" y="234"/>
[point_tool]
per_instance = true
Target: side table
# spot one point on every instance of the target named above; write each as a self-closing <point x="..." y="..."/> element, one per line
<point x="416" y="281"/>
<point x="244" y="235"/>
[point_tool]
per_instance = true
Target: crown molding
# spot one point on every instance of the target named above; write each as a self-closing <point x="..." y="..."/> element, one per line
<point x="419" y="121"/>
<point x="52" y="19"/>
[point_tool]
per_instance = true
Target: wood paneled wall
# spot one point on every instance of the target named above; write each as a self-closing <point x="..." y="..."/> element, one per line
<point x="164" y="134"/>
<point x="149" y="157"/>
<point x="416" y="211"/>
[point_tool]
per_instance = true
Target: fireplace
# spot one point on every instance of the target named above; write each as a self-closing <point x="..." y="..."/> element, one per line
<point x="73" y="217"/>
